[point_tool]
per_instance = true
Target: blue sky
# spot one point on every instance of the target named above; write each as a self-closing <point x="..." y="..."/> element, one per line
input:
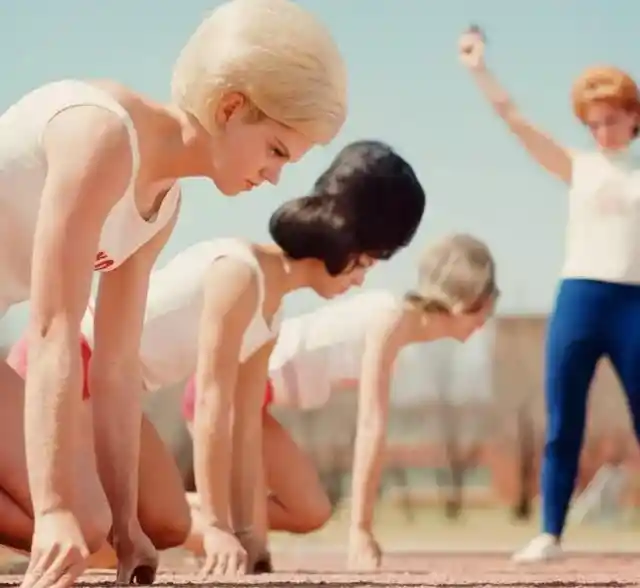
<point x="406" y="88"/>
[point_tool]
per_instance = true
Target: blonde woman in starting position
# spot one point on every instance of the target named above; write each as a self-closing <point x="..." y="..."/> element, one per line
<point x="89" y="174"/>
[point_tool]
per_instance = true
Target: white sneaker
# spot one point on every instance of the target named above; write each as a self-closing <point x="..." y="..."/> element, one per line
<point x="544" y="547"/>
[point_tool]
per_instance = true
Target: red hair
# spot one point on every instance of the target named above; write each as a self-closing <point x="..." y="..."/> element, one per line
<point x="604" y="84"/>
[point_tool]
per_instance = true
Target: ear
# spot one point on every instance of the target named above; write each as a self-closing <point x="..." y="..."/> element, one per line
<point x="636" y="124"/>
<point x="230" y="105"/>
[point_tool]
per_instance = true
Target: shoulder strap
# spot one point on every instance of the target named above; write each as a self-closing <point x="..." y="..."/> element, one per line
<point x="240" y="250"/>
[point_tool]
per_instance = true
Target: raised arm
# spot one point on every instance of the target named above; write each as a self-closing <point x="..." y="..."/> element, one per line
<point x="116" y="385"/>
<point x="383" y="341"/>
<point x="230" y="299"/>
<point x="543" y="148"/>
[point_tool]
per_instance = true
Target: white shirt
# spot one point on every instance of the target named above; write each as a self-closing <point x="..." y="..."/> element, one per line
<point x="169" y="342"/>
<point x="318" y="349"/>
<point x="603" y="233"/>
<point x="23" y="169"/>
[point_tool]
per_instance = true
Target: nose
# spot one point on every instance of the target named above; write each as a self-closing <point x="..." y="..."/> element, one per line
<point x="272" y="174"/>
<point x="604" y="136"/>
<point x="358" y="278"/>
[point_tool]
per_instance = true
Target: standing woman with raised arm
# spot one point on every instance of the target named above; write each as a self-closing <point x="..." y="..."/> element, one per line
<point x="597" y="307"/>
<point x="88" y="182"/>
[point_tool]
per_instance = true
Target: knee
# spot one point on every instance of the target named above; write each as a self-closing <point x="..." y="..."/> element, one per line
<point x="169" y="529"/>
<point x="319" y="515"/>
<point x="314" y="515"/>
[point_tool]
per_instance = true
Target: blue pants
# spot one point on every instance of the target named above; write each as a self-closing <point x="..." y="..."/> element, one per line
<point x="591" y="319"/>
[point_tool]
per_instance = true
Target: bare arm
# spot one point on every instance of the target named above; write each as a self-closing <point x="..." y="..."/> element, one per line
<point x="543" y="148"/>
<point x="230" y="299"/>
<point x="89" y="165"/>
<point x="381" y="348"/>
<point x="247" y="443"/>
<point x="116" y="381"/>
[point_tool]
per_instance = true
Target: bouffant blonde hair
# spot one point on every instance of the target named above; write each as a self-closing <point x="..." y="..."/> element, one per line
<point x="273" y="52"/>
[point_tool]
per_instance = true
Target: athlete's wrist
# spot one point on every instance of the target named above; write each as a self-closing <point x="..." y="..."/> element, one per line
<point x="360" y="524"/>
<point x="125" y="524"/>
<point x="479" y="70"/>
<point x="242" y="532"/>
<point x="216" y="525"/>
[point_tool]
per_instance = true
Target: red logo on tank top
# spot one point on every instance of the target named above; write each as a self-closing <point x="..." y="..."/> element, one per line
<point x="103" y="261"/>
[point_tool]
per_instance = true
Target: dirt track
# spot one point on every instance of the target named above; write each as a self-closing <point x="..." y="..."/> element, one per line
<point x="417" y="570"/>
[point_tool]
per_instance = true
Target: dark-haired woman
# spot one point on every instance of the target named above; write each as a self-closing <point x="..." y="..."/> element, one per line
<point x="354" y="343"/>
<point x="214" y="309"/>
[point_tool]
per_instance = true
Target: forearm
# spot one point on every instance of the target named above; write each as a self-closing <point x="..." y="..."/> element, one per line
<point x="543" y="148"/>
<point x="212" y="451"/>
<point x="247" y="460"/>
<point x="244" y="474"/>
<point x="52" y="412"/>
<point x="117" y="420"/>
<point x="368" y="463"/>
<point x="495" y="94"/>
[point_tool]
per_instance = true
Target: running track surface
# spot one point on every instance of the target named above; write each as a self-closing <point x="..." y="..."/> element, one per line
<point x="417" y="570"/>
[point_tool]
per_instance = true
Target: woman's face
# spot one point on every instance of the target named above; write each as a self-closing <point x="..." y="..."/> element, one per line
<point x="466" y="324"/>
<point x="248" y="149"/>
<point x="329" y="286"/>
<point x="612" y="128"/>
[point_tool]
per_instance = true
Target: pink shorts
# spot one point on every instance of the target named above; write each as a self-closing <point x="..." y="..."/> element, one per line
<point x="18" y="360"/>
<point x="189" y="398"/>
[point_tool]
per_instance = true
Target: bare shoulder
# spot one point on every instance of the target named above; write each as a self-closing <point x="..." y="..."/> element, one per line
<point x="271" y="268"/>
<point x="88" y="150"/>
<point x="139" y="106"/>
<point x="96" y="132"/>
<point x="230" y="283"/>
<point x="123" y="95"/>
<point x="388" y="324"/>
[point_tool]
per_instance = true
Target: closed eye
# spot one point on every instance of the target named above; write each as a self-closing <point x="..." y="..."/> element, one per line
<point x="279" y="153"/>
<point x="279" y="150"/>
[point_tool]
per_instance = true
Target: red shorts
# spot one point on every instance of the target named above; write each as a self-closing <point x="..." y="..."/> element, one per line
<point x="18" y="360"/>
<point x="189" y="398"/>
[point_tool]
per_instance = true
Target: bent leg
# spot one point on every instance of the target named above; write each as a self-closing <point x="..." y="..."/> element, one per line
<point x="162" y="506"/>
<point x="92" y="509"/>
<point x="163" y="510"/>
<point x="297" y="501"/>
<point x="16" y="513"/>
<point x="14" y="524"/>
<point x="16" y="510"/>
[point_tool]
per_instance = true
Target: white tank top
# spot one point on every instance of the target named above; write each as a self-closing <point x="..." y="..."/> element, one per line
<point x="318" y="349"/>
<point x="603" y="233"/>
<point x="169" y="343"/>
<point x="23" y="169"/>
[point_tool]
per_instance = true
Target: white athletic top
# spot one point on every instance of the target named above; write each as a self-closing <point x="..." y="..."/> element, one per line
<point x="318" y="349"/>
<point x="23" y="169"/>
<point x="169" y="343"/>
<point x="603" y="234"/>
